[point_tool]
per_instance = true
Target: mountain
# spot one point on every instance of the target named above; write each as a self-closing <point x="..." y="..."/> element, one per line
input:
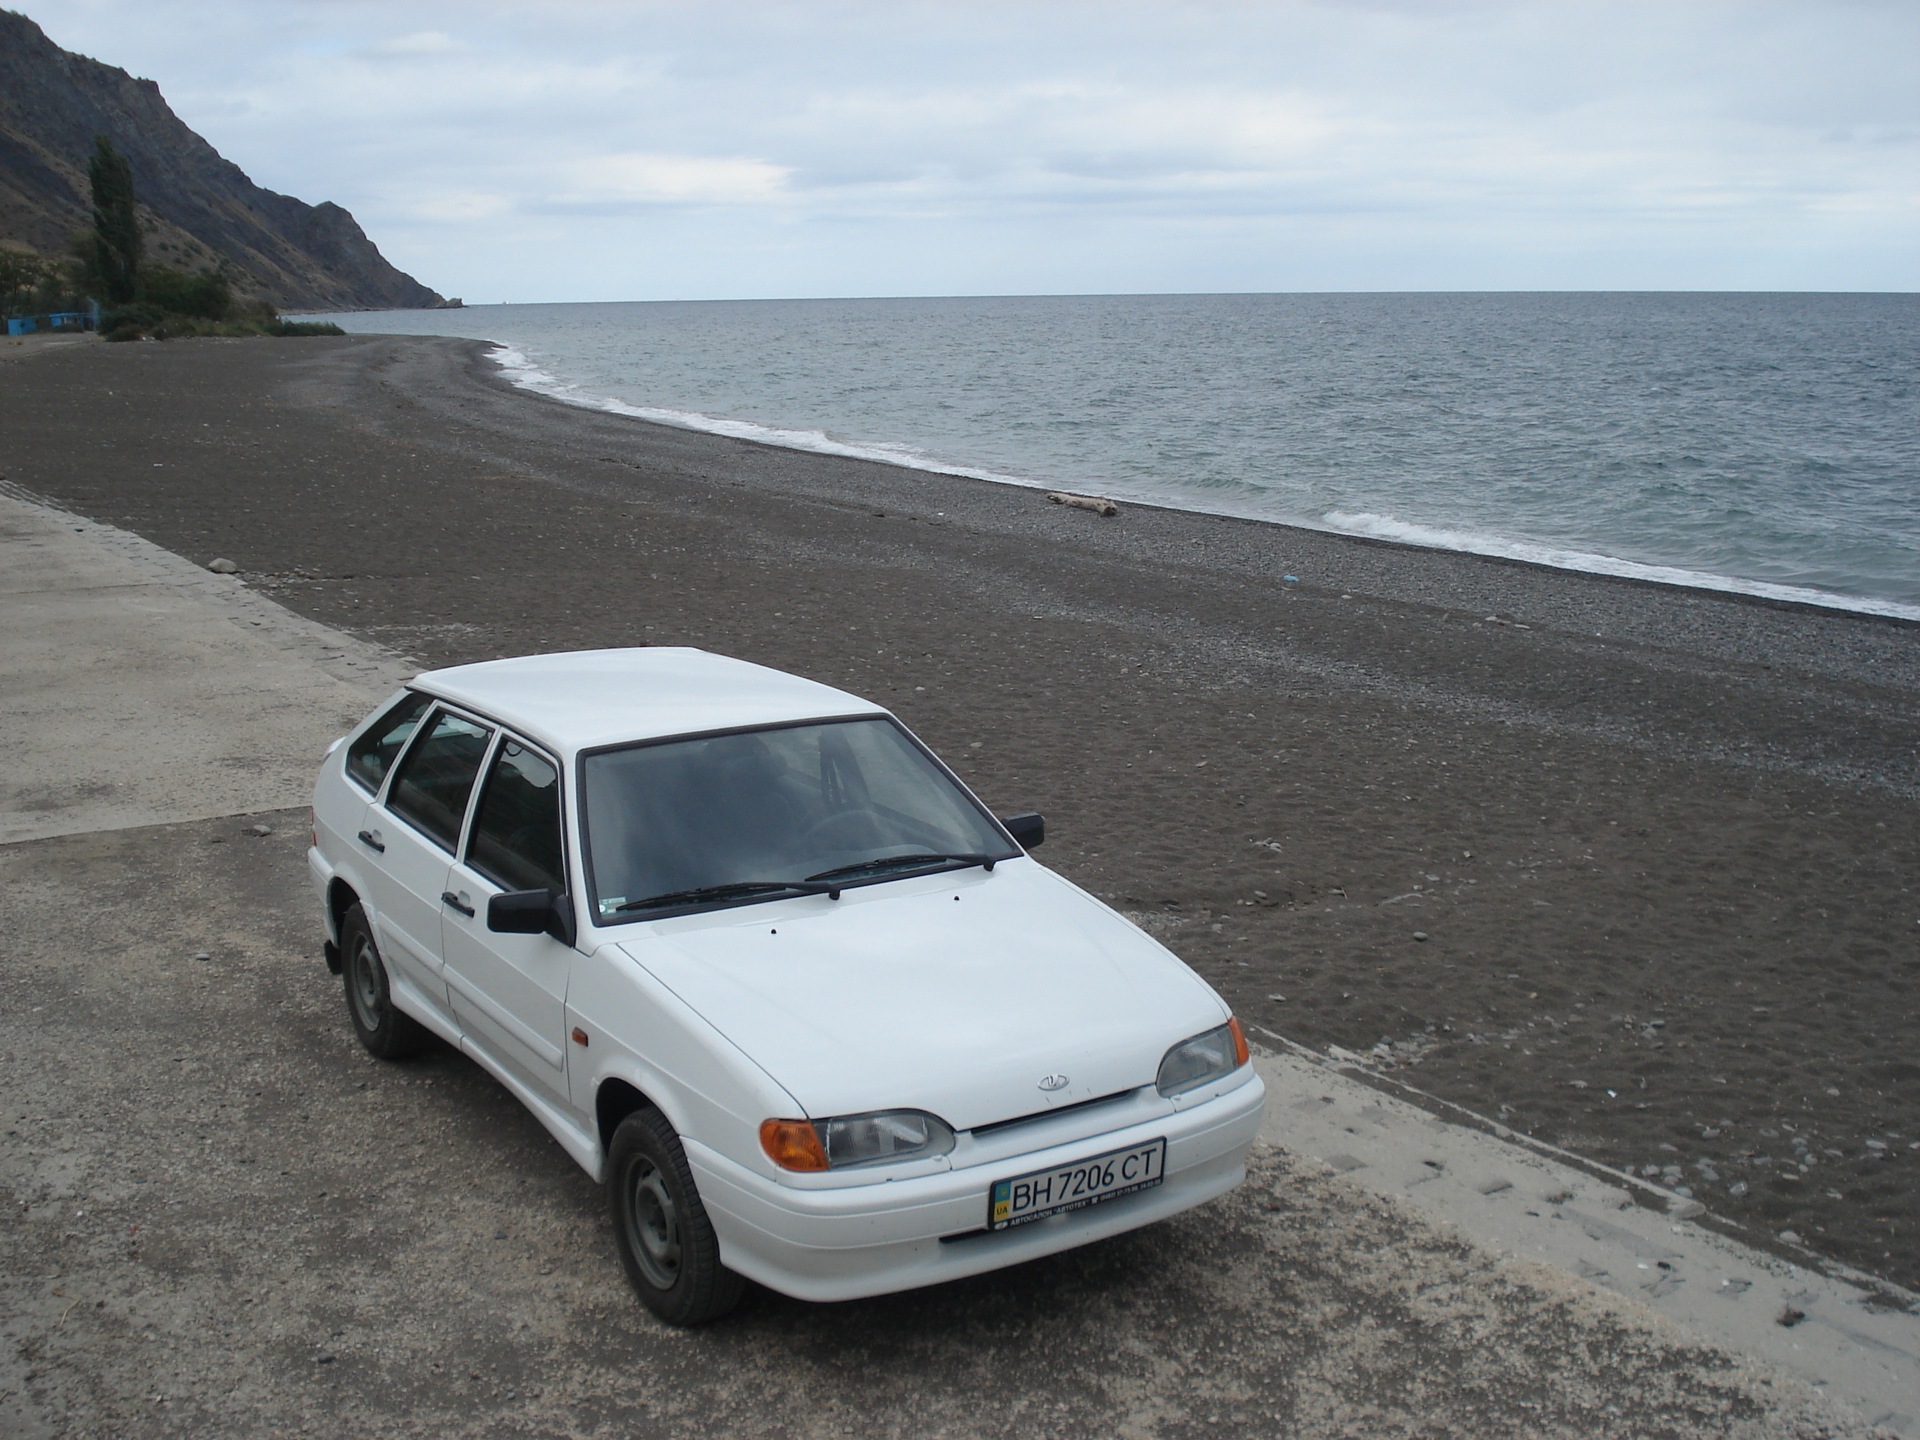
<point x="197" y="207"/>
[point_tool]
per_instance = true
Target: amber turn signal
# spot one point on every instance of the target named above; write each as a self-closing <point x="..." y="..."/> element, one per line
<point x="793" y="1144"/>
<point x="1239" y="1041"/>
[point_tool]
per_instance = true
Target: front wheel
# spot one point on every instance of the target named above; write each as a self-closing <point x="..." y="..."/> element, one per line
<point x="666" y="1242"/>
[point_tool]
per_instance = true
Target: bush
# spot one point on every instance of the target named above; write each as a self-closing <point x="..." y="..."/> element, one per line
<point x="130" y="322"/>
<point x="204" y="294"/>
<point x="181" y="327"/>
<point x="150" y="316"/>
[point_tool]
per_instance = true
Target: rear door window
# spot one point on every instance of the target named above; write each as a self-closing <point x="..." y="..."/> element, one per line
<point x="516" y="829"/>
<point x="370" y="757"/>
<point x="431" y="787"/>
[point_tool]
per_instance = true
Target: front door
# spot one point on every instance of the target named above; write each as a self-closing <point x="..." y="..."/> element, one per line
<point x="509" y="992"/>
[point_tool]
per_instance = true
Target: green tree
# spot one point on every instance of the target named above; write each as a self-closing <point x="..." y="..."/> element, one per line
<point x="22" y="276"/>
<point x="116" y="228"/>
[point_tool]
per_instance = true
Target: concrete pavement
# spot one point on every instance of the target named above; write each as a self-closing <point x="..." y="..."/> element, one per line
<point x="140" y="688"/>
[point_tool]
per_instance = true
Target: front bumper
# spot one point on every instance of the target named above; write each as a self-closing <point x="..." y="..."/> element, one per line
<point x="873" y="1239"/>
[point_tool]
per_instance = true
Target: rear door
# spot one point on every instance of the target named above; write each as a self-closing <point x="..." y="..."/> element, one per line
<point x="340" y="800"/>
<point x="509" y="991"/>
<point x="414" y="830"/>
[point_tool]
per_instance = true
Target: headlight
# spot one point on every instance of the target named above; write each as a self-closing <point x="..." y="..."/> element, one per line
<point x="1203" y="1059"/>
<point x="849" y="1140"/>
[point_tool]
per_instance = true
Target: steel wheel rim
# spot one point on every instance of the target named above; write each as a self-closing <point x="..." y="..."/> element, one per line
<point x="365" y="987"/>
<point x="653" y="1224"/>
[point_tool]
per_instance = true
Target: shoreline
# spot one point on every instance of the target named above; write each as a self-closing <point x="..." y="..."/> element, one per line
<point x="522" y="374"/>
<point x="1631" y="864"/>
<point x="551" y="387"/>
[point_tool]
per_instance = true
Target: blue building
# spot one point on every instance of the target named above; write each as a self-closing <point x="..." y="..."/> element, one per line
<point x="88" y="319"/>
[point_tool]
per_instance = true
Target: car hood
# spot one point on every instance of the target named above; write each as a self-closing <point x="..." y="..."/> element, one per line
<point x="954" y="993"/>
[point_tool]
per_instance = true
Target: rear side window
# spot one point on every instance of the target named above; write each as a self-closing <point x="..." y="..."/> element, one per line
<point x="430" y="788"/>
<point x="369" y="757"/>
<point x="516" y="830"/>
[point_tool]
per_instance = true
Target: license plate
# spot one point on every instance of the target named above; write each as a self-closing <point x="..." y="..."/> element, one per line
<point x="1076" y="1186"/>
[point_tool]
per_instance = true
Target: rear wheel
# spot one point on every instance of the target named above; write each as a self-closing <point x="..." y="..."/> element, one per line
<point x="384" y="1030"/>
<point x="666" y="1241"/>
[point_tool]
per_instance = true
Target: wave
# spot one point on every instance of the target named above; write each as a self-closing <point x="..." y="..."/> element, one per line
<point x="1386" y="527"/>
<point x="526" y="375"/>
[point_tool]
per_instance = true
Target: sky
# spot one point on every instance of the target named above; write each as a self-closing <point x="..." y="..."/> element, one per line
<point x="627" y="150"/>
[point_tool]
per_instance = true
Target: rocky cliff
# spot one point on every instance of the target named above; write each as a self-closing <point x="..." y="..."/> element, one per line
<point x="196" y="207"/>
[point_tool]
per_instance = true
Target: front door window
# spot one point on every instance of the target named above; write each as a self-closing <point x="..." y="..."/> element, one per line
<point x="516" y="830"/>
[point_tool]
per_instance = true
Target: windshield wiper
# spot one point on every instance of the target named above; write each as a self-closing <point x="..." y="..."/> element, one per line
<point x="825" y="883"/>
<point x="900" y="862"/>
<point x="737" y="890"/>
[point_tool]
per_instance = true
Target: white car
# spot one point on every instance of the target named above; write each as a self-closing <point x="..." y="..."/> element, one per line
<point x="768" y="970"/>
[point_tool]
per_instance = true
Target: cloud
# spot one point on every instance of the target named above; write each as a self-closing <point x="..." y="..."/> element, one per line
<point x="458" y="207"/>
<point x="639" y="178"/>
<point x="419" y="43"/>
<point x="758" y="147"/>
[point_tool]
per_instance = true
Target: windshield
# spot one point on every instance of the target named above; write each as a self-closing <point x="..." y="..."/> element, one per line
<point x="732" y="818"/>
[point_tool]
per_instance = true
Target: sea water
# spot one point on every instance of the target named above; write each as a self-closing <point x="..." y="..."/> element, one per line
<point x="1761" y="443"/>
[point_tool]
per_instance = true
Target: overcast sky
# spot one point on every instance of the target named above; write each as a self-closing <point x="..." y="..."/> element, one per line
<point x="574" y="150"/>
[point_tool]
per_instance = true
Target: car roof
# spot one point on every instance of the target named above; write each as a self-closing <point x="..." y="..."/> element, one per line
<point x="583" y="699"/>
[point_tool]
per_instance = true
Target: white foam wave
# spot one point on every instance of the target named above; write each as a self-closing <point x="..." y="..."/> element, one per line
<point x="1386" y="527"/>
<point x="527" y="376"/>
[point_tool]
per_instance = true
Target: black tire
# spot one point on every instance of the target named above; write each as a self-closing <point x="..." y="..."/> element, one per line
<point x="386" y="1031"/>
<point x="666" y="1241"/>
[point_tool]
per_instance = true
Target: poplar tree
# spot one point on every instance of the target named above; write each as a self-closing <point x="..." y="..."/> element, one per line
<point x="116" y="228"/>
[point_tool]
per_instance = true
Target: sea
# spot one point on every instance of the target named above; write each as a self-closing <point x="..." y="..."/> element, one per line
<point x="1762" y="443"/>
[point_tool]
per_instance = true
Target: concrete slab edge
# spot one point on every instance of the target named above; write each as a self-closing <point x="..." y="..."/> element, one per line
<point x="1646" y="1192"/>
<point x="376" y="668"/>
<point x="1854" y="1337"/>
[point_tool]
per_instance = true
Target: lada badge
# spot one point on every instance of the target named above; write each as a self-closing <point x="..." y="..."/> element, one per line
<point x="1050" y="1083"/>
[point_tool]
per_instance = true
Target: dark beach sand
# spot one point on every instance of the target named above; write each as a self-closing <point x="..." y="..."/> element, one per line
<point x="1663" y="845"/>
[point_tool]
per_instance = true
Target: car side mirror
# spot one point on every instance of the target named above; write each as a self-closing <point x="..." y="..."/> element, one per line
<point x="1027" y="828"/>
<point x="532" y="912"/>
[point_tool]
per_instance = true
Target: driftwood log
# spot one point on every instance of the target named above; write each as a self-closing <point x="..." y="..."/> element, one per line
<point x="1098" y="504"/>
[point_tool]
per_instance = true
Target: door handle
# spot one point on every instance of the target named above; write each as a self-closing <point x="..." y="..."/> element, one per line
<point x="373" y="841"/>
<point x="447" y="897"/>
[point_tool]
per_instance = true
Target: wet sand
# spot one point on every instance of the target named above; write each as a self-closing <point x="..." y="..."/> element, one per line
<point x="1661" y="845"/>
